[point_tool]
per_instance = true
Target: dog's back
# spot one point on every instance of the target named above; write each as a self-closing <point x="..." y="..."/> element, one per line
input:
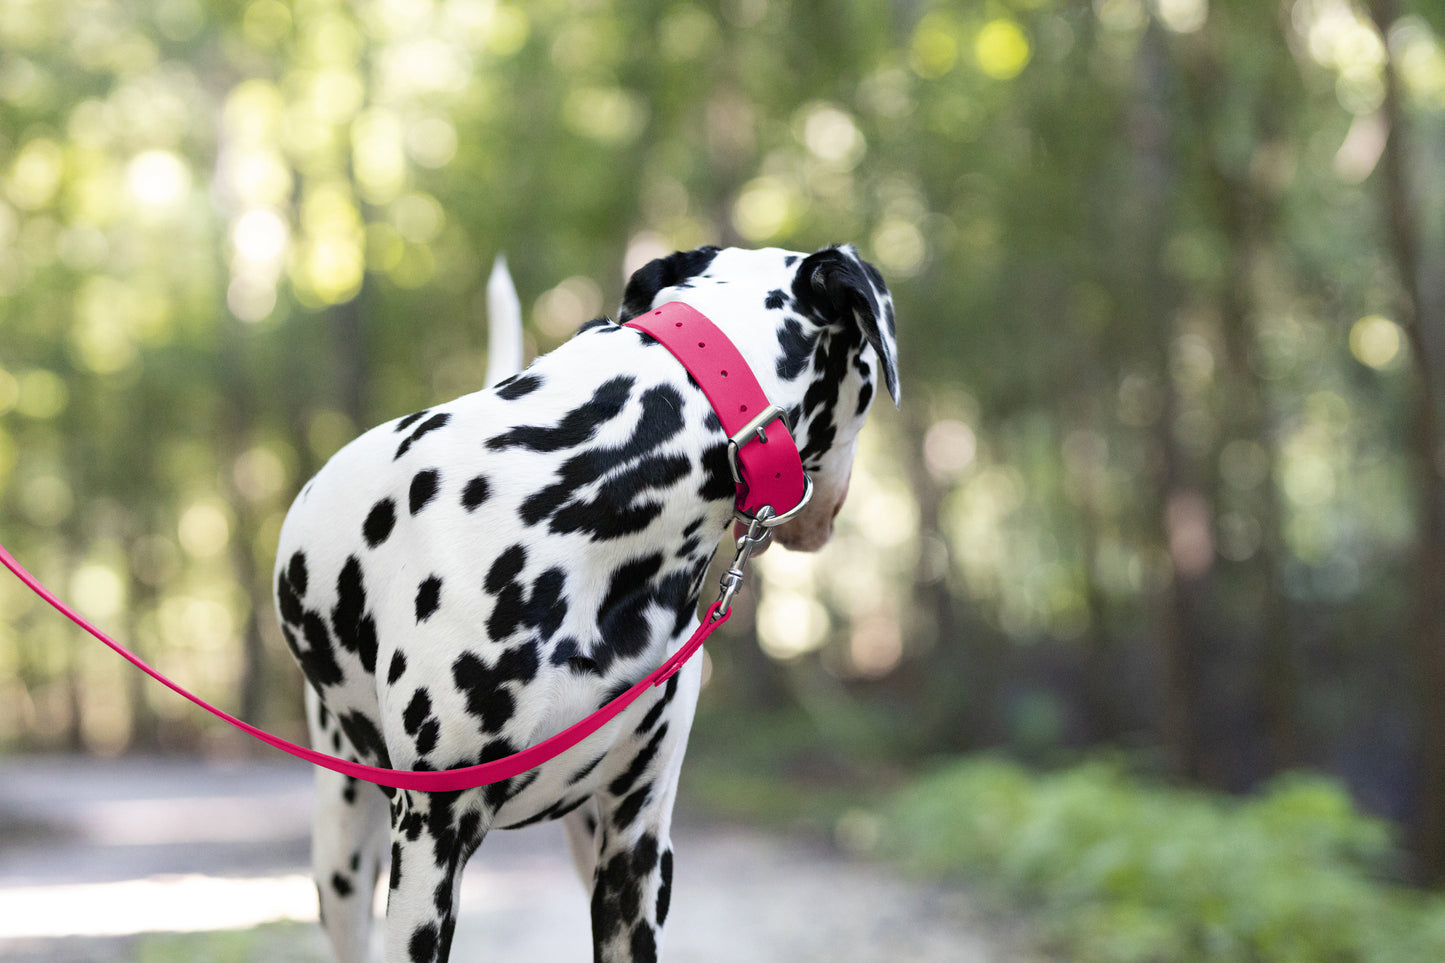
<point x="443" y="562"/>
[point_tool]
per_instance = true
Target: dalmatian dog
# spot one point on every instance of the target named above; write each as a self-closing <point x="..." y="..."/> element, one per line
<point x="461" y="583"/>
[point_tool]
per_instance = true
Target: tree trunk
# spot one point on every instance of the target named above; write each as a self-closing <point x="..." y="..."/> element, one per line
<point x="959" y="671"/>
<point x="1179" y="503"/>
<point x="1422" y="319"/>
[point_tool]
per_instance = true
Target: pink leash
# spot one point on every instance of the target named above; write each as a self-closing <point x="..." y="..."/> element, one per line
<point x="734" y="394"/>
<point x="437" y="781"/>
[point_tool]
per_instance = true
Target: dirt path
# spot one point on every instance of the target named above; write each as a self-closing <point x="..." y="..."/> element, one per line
<point x="97" y="858"/>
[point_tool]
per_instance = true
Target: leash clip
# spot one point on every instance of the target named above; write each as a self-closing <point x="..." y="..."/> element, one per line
<point x="732" y="580"/>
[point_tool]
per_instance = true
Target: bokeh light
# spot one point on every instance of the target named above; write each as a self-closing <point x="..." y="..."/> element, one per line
<point x="1002" y="49"/>
<point x="158" y="178"/>
<point x="1375" y="341"/>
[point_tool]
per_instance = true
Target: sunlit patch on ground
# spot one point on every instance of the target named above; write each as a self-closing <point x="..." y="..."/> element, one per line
<point x="176" y="904"/>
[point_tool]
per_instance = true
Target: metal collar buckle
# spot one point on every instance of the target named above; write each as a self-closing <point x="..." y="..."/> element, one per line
<point x="756" y="430"/>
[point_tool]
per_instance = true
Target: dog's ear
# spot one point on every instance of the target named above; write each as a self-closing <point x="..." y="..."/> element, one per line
<point x="837" y="287"/>
<point x="665" y="272"/>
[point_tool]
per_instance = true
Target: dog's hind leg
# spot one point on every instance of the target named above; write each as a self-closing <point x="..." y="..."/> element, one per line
<point x="581" y="824"/>
<point x="348" y="845"/>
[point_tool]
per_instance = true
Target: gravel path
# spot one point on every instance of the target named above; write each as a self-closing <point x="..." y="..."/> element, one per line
<point x="96" y="857"/>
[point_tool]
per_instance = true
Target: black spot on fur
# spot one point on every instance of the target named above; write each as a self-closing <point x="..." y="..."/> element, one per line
<point x="410" y="826"/>
<point x="442" y="896"/>
<point x="423" y="489"/>
<point x="563" y="651"/>
<point x="416" y="711"/>
<point x="797" y="349"/>
<point x="411" y="419"/>
<point x="379" y="522"/>
<point x="644" y="855"/>
<point x="585" y="771"/>
<point x="613" y="514"/>
<point x="576" y="427"/>
<point x="365" y="737"/>
<point x="355" y="630"/>
<point x="426" y="736"/>
<point x="475" y="493"/>
<point x="631" y="807"/>
<point x="630" y="469"/>
<point x="644" y="943"/>
<point x="398" y="666"/>
<point x="717" y="478"/>
<point x="431" y="424"/>
<point x="664" y="892"/>
<point x="621" y="616"/>
<point x="821" y="398"/>
<point x="428" y="596"/>
<point x="775" y="299"/>
<point x="547" y="607"/>
<point x="623" y="783"/>
<point x="518" y="386"/>
<point x="865" y="396"/>
<point x="318" y="659"/>
<point x="655" y="713"/>
<point x="296" y="572"/>
<point x="288" y="600"/>
<point x="614" y="891"/>
<point x="484" y="686"/>
<point x="506" y="568"/>
<point x="423" y="943"/>
<point x="341" y="885"/>
<point x="555" y="811"/>
<point x="596" y="323"/>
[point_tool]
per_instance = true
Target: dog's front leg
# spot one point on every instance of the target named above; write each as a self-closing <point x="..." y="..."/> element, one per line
<point x="632" y="883"/>
<point x="429" y="849"/>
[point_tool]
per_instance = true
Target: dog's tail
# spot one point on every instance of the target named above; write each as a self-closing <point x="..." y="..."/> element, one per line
<point x="504" y="324"/>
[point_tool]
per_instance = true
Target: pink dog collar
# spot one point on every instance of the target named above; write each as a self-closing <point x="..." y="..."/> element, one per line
<point x="764" y="457"/>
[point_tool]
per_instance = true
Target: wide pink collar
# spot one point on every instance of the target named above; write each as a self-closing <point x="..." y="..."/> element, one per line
<point x="762" y="454"/>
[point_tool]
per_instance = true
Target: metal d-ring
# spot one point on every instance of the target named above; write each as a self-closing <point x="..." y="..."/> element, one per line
<point x="773" y="518"/>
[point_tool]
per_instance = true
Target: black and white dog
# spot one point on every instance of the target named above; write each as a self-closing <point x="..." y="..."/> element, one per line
<point x="463" y="582"/>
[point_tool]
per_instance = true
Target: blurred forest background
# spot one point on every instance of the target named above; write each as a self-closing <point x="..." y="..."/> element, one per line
<point x="1170" y="274"/>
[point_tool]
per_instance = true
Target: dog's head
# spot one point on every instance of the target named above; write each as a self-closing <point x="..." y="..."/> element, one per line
<point x="818" y="332"/>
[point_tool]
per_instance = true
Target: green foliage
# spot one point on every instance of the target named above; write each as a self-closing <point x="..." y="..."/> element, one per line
<point x="270" y="943"/>
<point x="1120" y="870"/>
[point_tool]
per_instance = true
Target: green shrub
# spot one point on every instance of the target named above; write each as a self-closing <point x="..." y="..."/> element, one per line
<point x="1120" y="870"/>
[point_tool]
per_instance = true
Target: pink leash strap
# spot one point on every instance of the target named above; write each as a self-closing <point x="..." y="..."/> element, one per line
<point x="434" y="781"/>
<point x="769" y="471"/>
